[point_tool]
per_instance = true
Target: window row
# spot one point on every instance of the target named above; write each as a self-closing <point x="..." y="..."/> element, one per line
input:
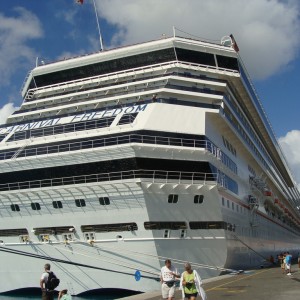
<point x="234" y="206"/>
<point x="229" y="146"/>
<point x="135" y="61"/>
<point x="173" y="198"/>
<point x="256" y="146"/>
<point x="58" y="204"/>
<point x="119" y="227"/>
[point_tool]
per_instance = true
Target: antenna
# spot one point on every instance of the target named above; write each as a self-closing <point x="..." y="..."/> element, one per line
<point x="98" y="25"/>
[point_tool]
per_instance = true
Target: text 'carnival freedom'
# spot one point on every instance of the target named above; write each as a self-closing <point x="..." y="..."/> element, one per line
<point x="75" y="118"/>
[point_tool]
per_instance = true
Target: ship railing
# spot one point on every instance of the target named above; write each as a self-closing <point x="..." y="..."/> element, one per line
<point x="88" y="87"/>
<point x="120" y="140"/>
<point x="111" y="141"/>
<point x="123" y="92"/>
<point x="87" y="81"/>
<point x="140" y="175"/>
<point x="25" y="80"/>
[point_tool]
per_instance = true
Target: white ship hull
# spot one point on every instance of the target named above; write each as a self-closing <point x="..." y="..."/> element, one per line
<point x="104" y="181"/>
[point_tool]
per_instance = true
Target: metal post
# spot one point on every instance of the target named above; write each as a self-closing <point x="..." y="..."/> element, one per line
<point x="98" y="25"/>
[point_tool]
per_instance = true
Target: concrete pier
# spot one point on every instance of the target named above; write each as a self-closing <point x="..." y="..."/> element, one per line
<point x="260" y="284"/>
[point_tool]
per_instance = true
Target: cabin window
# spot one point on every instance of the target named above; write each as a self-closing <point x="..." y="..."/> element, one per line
<point x="198" y="199"/>
<point x="104" y="201"/>
<point x="35" y="206"/>
<point x="80" y="202"/>
<point x="57" y="204"/>
<point x="172" y="198"/>
<point x="15" y="207"/>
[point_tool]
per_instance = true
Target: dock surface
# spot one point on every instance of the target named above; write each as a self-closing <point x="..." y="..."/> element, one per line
<point x="261" y="284"/>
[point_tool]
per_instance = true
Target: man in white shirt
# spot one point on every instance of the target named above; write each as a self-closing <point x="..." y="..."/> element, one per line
<point x="168" y="275"/>
<point x="46" y="295"/>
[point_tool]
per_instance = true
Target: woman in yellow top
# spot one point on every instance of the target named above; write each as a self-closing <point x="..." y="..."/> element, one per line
<point x="190" y="283"/>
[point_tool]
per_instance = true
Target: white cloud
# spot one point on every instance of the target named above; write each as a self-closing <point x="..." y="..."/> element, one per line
<point x="267" y="31"/>
<point x="68" y="15"/>
<point x="290" y="145"/>
<point x="6" y="111"/>
<point x="15" y="32"/>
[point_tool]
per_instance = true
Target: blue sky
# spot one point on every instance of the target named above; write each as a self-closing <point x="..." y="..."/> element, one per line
<point x="267" y="32"/>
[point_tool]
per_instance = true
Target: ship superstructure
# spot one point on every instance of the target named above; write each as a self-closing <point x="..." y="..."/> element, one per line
<point x="119" y="159"/>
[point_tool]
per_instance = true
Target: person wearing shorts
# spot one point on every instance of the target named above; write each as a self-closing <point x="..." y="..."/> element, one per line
<point x="191" y="284"/>
<point x="168" y="275"/>
<point x="288" y="263"/>
<point x="188" y="282"/>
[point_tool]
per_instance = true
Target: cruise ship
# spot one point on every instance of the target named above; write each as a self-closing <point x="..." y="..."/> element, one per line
<point x="120" y="159"/>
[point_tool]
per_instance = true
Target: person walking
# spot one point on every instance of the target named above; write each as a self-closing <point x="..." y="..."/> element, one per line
<point x="46" y="293"/>
<point x="168" y="275"/>
<point x="190" y="284"/>
<point x="288" y="262"/>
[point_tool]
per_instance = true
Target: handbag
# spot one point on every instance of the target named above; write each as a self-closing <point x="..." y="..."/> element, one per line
<point x="169" y="283"/>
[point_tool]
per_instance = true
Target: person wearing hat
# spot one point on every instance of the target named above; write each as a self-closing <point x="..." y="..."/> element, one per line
<point x="63" y="295"/>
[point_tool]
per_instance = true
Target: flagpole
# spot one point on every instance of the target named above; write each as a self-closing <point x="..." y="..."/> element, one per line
<point x="100" y="36"/>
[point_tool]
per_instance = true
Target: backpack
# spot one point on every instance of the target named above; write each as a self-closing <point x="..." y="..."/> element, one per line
<point x="52" y="281"/>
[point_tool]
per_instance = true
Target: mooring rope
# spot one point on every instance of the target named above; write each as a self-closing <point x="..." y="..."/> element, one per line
<point x="37" y="256"/>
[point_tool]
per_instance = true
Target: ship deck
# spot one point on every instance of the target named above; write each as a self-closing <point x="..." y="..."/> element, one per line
<point x="263" y="283"/>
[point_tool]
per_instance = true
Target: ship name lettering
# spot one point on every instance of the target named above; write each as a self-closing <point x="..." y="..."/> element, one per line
<point x="140" y="107"/>
<point x="7" y="129"/>
<point x="105" y="112"/>
<point x="88" y="116"/>
<point x="129" y="109"/>
<point x="76" y="118"/>
<point x="117" y="111"/>
<point x="37" y="125"/>
<point x="98" y="115"/>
